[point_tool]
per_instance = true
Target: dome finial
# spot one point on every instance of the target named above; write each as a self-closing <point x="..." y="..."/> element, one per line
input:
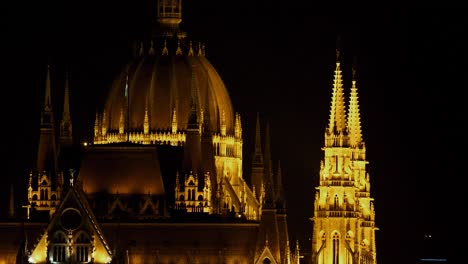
<point x="170" y="15"/>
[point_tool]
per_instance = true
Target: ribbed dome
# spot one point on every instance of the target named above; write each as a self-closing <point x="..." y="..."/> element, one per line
<point x="164" y="76"/>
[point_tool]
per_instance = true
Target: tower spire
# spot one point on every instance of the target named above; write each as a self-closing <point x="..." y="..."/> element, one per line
<point x="66" y="124"/>
<point x="192" y="148"/>
<point x="258" y="155"/>
<point x="354" y="118"/>
<point x="258" y="167"/>
<point x="268" y="180"/>
<point x="280" y="199"/>
<point x="47" y="152"/>
<point x="193" y="115"/>
<point x="337" y="111"/>
<point x="47" y="99"/>
<point x="344" y="165"/>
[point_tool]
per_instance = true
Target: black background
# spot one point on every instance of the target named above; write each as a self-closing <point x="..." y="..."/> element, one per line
<point x="276" y="58"/>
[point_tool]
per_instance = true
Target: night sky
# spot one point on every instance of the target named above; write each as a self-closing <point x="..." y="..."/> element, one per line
<point x="277" y="59"/>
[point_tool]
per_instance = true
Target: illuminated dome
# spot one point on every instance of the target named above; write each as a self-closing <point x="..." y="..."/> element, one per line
<point x="153" y="94"/>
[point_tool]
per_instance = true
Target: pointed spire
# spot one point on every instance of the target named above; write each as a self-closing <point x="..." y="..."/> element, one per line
<point x="165" y="51"/>
<point x="258" y="155"/>
<point x="193" y="115"/>
<point x="178" y="50"/>
<point x="66" y="124"/>
<point x="190" y="52"/>
<point x="66" y="99"/>
<point x="47" y="119"/>
<point x="104" y="123"/>
<point x="269" y="191"/>
<point x="337" y="110"/>
<point x="200" y="52"/>
<point x="238" y="126"/>
<point x="279" y="187"/>
<point x="354" y="118"/>
<point x="47" y="99"/>
<point x="96" y="125"/>
<point x="47" y="149"/>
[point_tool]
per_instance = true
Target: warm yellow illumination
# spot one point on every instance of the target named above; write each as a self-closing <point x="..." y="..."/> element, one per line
<point x="100" y="257"/>
<point x="39" y="254"/>
<point x="344" y="217"/>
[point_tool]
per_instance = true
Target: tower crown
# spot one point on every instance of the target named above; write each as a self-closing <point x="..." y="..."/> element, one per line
<point x="170" y="14"/>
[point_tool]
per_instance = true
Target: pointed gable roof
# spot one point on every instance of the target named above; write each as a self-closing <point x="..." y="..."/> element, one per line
<point x="74" y="200"/>
<point x="266" y="254"/>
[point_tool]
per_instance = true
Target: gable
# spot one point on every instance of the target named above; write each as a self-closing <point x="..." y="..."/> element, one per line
<point x="73" y="224"/>
<point x="266" y="257"/>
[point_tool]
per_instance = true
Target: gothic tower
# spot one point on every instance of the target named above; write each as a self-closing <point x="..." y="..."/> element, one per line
<point x="344" y="218"/>
<point x="45" y="180"/>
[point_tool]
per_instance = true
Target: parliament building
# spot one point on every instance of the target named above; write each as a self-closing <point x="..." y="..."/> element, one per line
<point x="163" y="179"/>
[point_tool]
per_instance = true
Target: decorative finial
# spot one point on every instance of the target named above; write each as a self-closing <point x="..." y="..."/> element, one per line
<point x="190" y="52"/>
<point x="199" y="49"/>
<point x="179" y="50"/>
<point x="338" y="48"/>
<point x="165" y="51"/>
<point x="354" y="68"/>
<point x="151" y="50"/>
<point x="72" y="174"/>
<point x="170" y="14"/>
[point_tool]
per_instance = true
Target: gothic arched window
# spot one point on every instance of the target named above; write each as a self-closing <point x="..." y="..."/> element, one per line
<point x="82" y="248"/>
<point x="58" y="247"/>
<point x="336" y="248"/>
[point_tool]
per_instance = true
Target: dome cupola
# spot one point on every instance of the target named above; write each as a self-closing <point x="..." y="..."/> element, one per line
<point x="149" y="101"/>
